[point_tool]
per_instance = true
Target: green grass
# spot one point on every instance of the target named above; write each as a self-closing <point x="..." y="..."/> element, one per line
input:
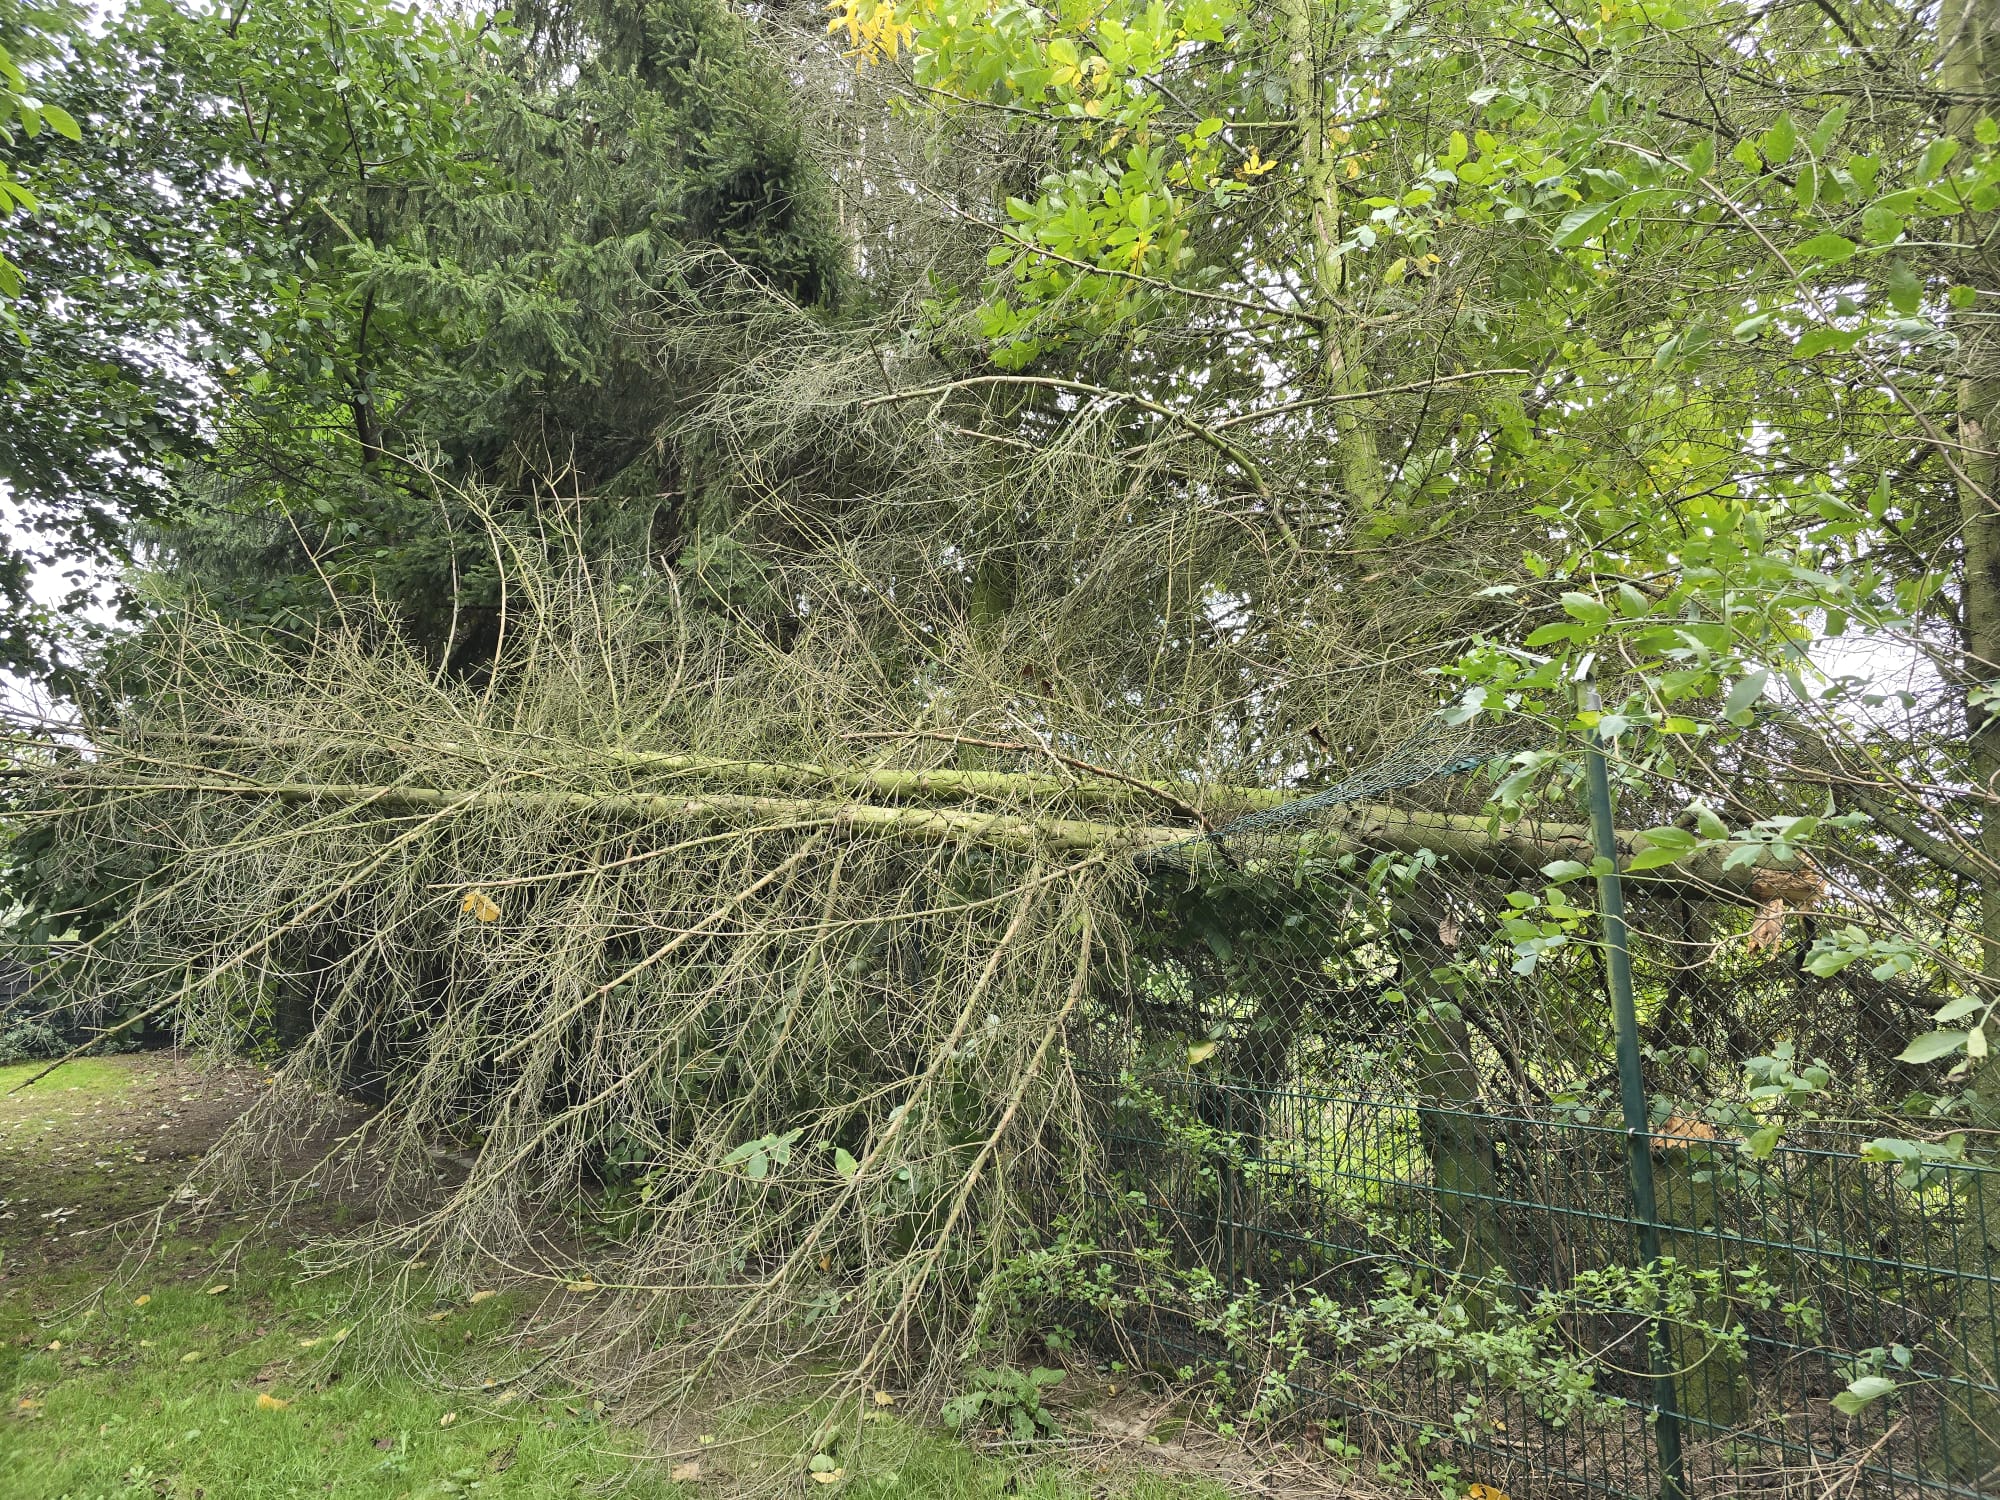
<point x="178" y="1396"/>
<point x="87" y="1075"/>
<point x="141" y="1382"/>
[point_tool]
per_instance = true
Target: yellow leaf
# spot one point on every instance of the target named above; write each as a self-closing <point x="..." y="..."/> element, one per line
<point x="1485" y="1492"/>
<point x="27" y="1403"/>
<point x="505" y="1396"/>
<point x="447" y="1419"/>
<point x="478" y="1297"/>
<point x="191" y="1356"/>
<point x="268" y="1402"/>
<point x="1353" y="168"/>
<point x="883" y="1398"/>
<point x="142" y="1299"/>
<point x="828" y="1476"/>
<point x="55" y="1346"/>
<point x="341" y="1337"/>
<point x="481" y="906"/>
<point x="310" y="1343"/>
<point x="217" y="1290"/>
<point x="1201" y="1052"/>
<point x="580" y="1286"/>
<point x="684" y="1473"/>
<point x="439" y="1317"/>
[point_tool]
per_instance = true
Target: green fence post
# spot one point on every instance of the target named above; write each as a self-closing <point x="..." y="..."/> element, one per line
<point x="1632" y="1095"/>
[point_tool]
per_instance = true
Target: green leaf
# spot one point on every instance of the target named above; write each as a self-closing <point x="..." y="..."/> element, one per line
<point x="1829" y="247"/>
<point x="1201" y="1052"/>
<point x="1827" y="962"/>
<point x="1585" y="608"/>
<point x="1828" y="127"/>
<point x="1708" y="824"/>
<point x="1863" y="1392"/>
<point x="1749" y="688"/>
<point x="1932" y="1046"/>
<point x="1937" y="156"/>
<point x="61" y="122"/>
<point x="1653" y="859"/>
<point x="1581" y="224"/>
<point x="1986" y="131"/>
<point x="844" y="1162"/>
<point x="1548" y="635"/>
<point x="1668" y="838"/>
<point x="1761" y="1143"/>
<point x="1778" y="142"/>
<point x="1906" y="292"/>
<point x="1561" y="870"/>
<point x="1700" y="157"/>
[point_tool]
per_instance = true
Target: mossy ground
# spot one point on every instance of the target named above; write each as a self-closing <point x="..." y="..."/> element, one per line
<point x="212" y="1367"/>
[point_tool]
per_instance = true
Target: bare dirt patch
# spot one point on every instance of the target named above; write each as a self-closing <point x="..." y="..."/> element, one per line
<point x="95" y="1148"/>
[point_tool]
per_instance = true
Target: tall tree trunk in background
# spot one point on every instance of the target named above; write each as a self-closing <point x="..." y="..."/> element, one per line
<point x="1306" y="31"/>
<point x="1969" y="72"/>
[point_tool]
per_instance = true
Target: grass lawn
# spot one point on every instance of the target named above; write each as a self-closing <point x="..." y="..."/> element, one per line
<point x="213" y="1369"/>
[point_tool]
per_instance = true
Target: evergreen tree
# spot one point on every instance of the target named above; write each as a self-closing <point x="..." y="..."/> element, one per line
<point x="422" y="264"/>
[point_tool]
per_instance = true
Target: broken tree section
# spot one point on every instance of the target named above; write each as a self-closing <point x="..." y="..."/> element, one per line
<point x="906" y="805"/>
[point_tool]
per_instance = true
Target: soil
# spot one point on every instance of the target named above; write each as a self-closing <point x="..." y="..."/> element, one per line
<point x="93" y="1154"/>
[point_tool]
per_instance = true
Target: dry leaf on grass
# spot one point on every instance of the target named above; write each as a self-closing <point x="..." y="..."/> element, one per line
<point x="447" y="1419"/>
<point x="684" y="1473"/>
<point x="268" y="1402"/>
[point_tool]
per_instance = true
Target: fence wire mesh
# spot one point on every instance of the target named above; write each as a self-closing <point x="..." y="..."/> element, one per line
<point x="1370" y="1169"/>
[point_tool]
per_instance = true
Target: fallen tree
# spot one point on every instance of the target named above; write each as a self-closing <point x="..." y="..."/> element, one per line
<point x="1484" y="845"/>
<point x="807" y="1017"/>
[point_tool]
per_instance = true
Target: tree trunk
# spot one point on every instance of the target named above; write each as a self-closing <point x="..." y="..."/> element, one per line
<point x="1467" y="842"/>
<point x="1451" y="1117"/>
<point x="1969" y="72"/>
<point x="1307" y="26"/>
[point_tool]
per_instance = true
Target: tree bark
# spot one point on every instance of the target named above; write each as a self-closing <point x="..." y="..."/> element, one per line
<point x="1467" y="842"/>
<point x="1306" y="25"/>
<point x="1969" y="73"/>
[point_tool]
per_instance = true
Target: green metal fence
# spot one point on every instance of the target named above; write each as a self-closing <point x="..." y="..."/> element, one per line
<point x="1795" y="1275"/>
<point x="1485" y="1188"/>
